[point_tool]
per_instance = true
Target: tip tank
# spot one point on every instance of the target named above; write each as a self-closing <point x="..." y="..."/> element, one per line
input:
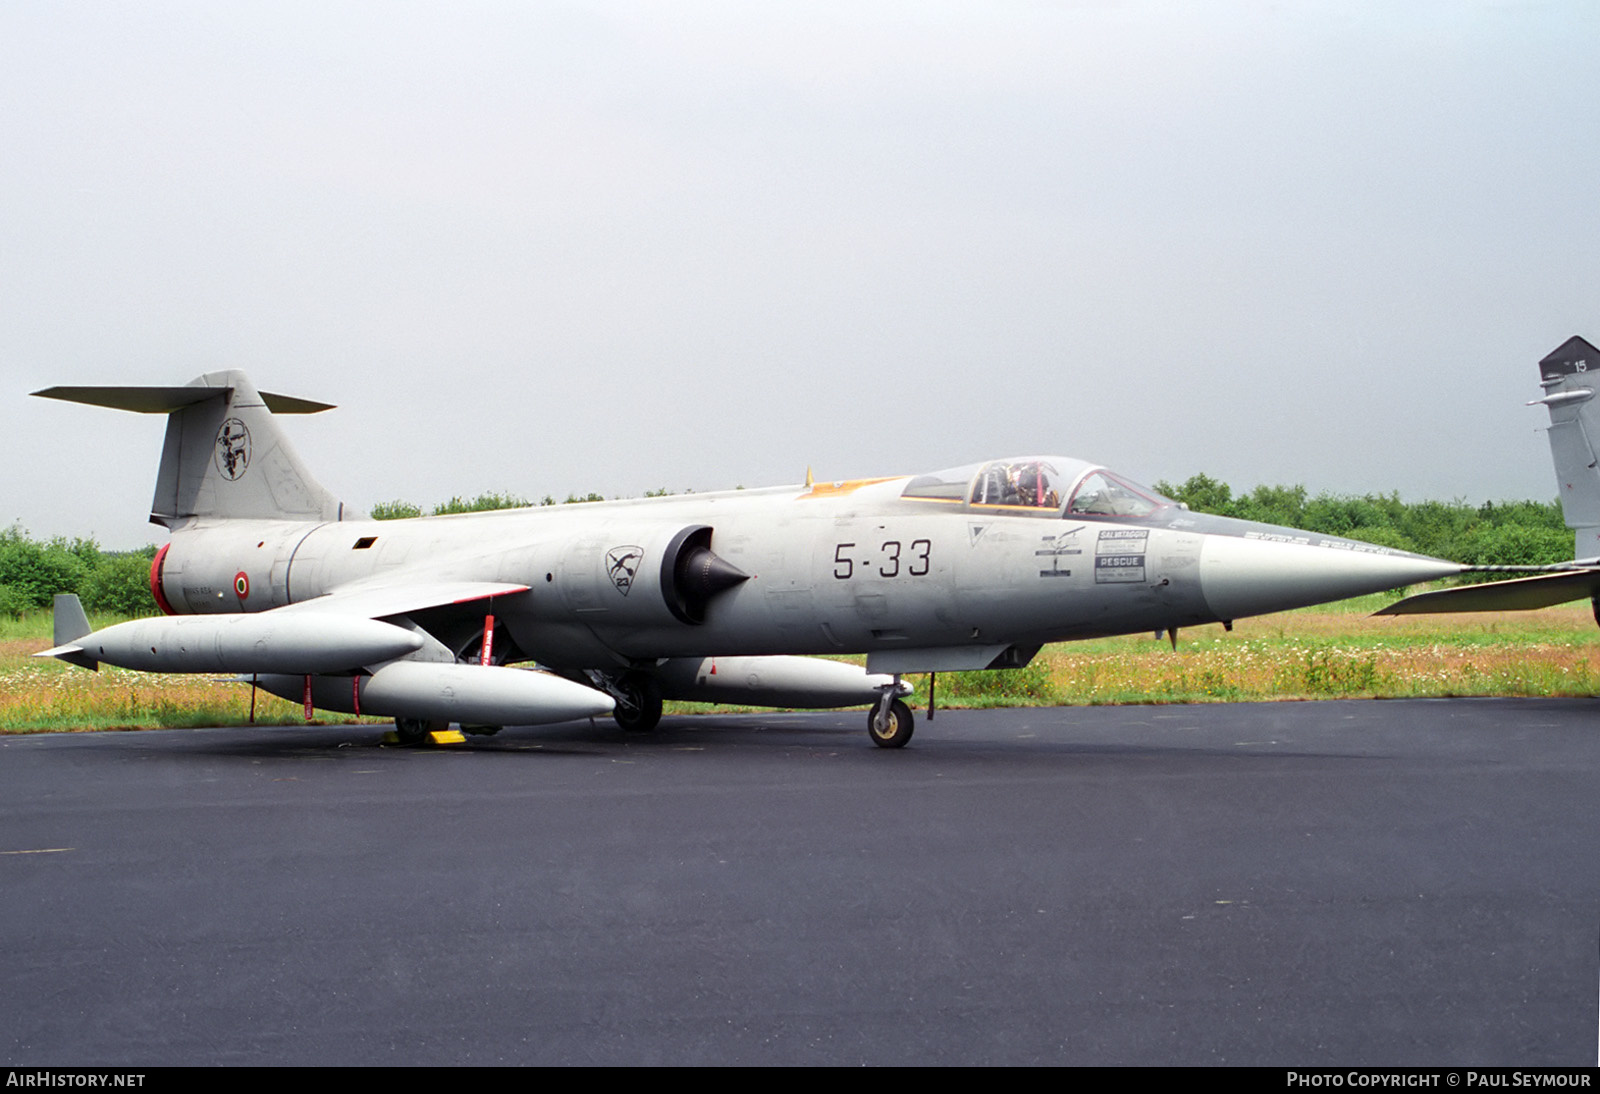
<point x="297" y="642"/>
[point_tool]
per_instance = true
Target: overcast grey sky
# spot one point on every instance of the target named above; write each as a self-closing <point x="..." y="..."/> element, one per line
<point x="553" y="247"/>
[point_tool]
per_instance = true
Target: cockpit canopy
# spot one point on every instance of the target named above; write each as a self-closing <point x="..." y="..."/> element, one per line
<point x="1039" y="485"/>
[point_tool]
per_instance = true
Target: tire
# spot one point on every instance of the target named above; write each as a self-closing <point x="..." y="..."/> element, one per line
<point x="411" y="731"/>
<point x="414" y="731"/>
<point x="898" y="732"/>
<point x="638" y="698"/>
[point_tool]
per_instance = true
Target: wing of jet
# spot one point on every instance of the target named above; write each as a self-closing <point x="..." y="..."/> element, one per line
<point x="1517" y="595"/>
<point x="523" y="617"/>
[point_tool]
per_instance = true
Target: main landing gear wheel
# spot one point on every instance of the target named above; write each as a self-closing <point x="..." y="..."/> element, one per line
<point x="897" y="728"/>
<point x="638" y="699"/>
<point x="414" y="731"/>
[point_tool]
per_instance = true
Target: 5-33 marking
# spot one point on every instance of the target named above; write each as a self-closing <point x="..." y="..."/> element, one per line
<point x="893" y="559"/>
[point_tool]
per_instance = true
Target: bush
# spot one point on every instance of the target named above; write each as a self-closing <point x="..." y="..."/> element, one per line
<point x="1517" y="545"/>
<point x="481" y="504"/>
<point x="12" y="603"/>
<point x="35" y="572"/>
<point x="395" y="510"/>
<point x="120" y="585"/>
<point x="1384" y="537"/>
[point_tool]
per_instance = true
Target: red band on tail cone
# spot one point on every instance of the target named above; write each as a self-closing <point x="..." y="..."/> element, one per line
<point x="155" y="581"/>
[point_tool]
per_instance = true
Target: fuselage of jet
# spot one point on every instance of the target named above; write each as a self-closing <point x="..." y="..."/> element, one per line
<point x="915" y="581"/>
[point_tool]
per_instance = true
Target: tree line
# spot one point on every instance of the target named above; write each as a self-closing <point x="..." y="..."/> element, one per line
<point x="402" y="510"/>
<point x="1507" y="533"/>
<point x="1524" y="533"/>
<point x="108" y="582"/>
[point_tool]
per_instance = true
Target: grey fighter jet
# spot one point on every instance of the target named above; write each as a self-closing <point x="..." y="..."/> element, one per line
<point x="1568" y="376"/>
<point x="709" y="597"/>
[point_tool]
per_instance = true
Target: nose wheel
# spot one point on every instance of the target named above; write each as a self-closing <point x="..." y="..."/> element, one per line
<point x="414" y="731"/>
<point x="890" y="724"/>
<point x="638" y="697"/>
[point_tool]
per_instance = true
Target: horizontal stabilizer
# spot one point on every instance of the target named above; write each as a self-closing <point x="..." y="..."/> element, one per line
<point x="1519" y="595"/>
<point x="224" y="455"/>
<point x="73" y="654"/>
<point x="167" y="400"/>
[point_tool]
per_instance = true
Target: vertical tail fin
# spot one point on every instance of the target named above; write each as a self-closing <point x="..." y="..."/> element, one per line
<point x="1569" y="376"/>
<point x="224" y="454"/>
<point x="68" y="620"/>
<point x="70" y="624"/>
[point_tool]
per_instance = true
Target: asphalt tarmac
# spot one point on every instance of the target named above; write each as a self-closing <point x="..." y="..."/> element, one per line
<point x="1280" y="883"/>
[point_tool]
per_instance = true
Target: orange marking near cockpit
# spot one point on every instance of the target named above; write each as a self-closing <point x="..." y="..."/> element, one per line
<point x="849" y="486"/>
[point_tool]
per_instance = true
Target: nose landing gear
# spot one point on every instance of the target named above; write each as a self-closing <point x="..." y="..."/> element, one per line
<point x="890" y="724"/>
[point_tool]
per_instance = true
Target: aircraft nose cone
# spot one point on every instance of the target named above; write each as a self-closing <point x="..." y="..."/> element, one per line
<point x="1253" y="576"/>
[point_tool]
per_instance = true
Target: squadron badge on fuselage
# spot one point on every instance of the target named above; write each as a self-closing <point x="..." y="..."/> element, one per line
<point x="621" y="564"/>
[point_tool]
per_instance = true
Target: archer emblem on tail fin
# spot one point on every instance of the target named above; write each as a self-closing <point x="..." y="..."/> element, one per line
<point x="233" y="448"/>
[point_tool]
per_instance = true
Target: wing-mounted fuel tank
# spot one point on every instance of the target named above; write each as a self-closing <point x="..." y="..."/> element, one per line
<point x="481" y="694"/>
<point x="805" y="682"/>
<point x="645" y="574"/>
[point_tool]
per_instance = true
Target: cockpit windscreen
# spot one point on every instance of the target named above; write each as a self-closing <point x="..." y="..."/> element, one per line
<point x="1102" y="494"/>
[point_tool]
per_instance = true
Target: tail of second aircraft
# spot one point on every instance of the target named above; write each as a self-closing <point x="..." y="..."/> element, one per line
<point x="224" y="454"/>
<point x="1569" y="376"/>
